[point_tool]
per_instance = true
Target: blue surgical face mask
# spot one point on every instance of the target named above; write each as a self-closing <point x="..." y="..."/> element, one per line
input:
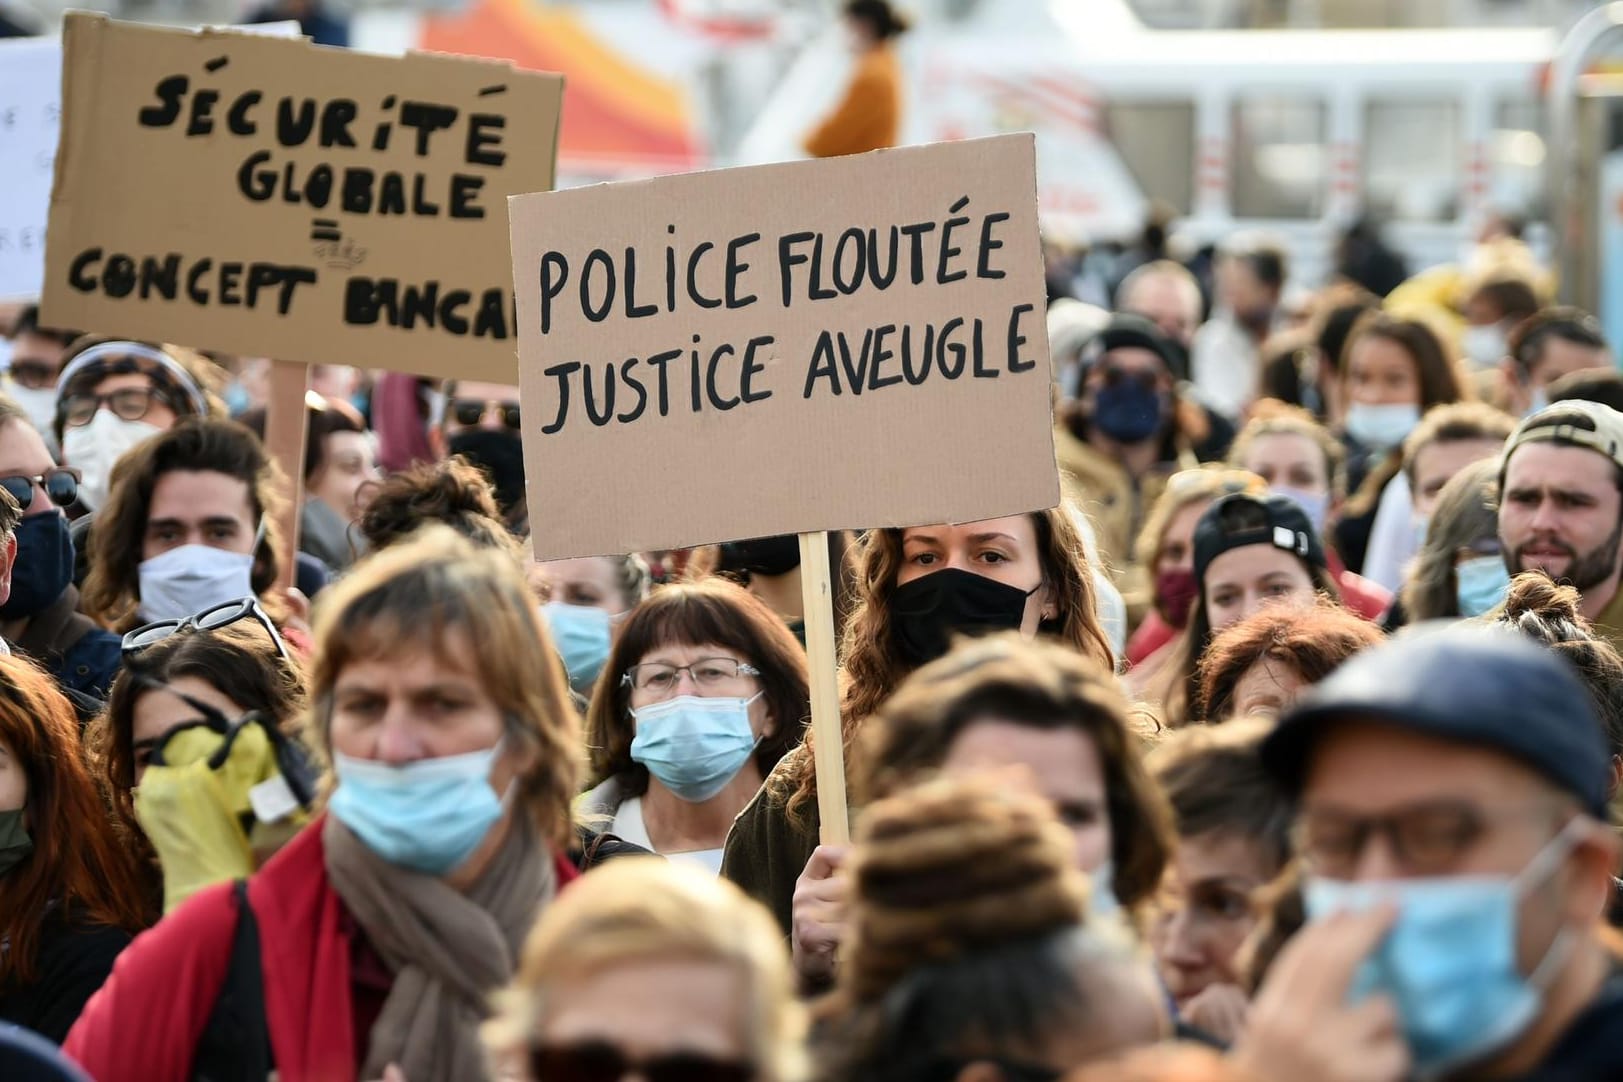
<point x="1316" y="505"/>
<point x="1381" y="428"/>
<point x="428" y="816"/>
<point x="582" y="634"/>
<point x="1480" y="583"/>
<point x="694" y="745"/>
<point x="1537" y="400"/>
<point x="1449" y="962"/>
<point x="1102" y="900"/>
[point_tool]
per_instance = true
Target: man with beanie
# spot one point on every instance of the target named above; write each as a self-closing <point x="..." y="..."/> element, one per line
<point x="1561" y="505"/>
<point x="1451" y="823"/>
<point x="1124" y="434"/>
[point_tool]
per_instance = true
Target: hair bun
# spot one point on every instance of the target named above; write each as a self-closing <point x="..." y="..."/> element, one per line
<point x="1533" y="593"/>
<point x="952" y="867"/>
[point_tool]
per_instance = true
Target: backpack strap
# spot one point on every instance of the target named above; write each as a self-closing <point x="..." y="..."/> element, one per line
<point x="235" y="1046"/>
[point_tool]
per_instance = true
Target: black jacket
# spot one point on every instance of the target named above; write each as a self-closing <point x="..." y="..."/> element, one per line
<point x="72" y="962"/>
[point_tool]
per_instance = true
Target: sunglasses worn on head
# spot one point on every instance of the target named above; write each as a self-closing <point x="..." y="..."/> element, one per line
<point x="599" y="1061"/>
<point x="61" y="485"/>
<point x="213" y="619"/>
<point x="471" y="411"/>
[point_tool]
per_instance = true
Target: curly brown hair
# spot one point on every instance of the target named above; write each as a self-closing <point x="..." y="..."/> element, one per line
<point x="872" y="665"/>
<point x="452" y="492"/>
<point x="1312" y="643"/>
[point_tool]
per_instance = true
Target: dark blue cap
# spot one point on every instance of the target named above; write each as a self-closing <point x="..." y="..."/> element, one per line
<point x="1471" y="685"/>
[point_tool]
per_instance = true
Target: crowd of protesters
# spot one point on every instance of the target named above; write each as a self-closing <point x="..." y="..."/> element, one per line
<point x="1285" y="748"/>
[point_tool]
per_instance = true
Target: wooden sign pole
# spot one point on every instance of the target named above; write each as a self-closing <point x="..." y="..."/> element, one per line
<point x="286" y="423"/>
<point x="828" y="741"/>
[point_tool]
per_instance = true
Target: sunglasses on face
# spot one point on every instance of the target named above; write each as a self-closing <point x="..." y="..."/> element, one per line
<point x="129" y="404"/>
<point x="1114" y="375"/>
<point x="61" y="485"/>
<point x="599" y="1061"/>
<point x="471" y="411"/>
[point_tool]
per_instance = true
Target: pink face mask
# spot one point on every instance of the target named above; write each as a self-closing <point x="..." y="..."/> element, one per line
<point x="1175" y="595"/>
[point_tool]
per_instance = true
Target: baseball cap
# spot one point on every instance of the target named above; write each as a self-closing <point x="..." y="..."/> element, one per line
<point x="1484" y="687"/>
<point x="1239" y="520"/>
<point x="1574" y="422"/>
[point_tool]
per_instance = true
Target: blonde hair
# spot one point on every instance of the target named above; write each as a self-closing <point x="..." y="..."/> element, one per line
<point x="642" y="909"/>
<point x="417" y="594"/>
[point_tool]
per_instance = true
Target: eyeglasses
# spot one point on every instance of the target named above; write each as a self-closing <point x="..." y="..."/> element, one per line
<point x="129" y="404"/>
<point x="61" y="485"/>
<point x="471" y="411"/>
<point x="213" y="619"/>
<point x="599" y="1061"/>
<point x="34" y="375"/>
<point x="707" y="672"/>
<point x="1425" y="838"/>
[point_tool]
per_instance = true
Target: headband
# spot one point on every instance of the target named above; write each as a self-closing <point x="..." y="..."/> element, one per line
<point x="103" y="350"/>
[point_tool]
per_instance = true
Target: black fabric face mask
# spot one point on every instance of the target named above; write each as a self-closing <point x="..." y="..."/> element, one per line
<point x="927" y="612"/>
<point x="770" y="556"/>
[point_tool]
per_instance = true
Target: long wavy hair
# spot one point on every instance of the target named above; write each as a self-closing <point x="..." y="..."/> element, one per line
<point x="873" y="667"/>
<point x="81" y="868"/>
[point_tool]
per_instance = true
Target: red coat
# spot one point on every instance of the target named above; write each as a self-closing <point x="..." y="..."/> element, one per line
<point x="145" y="1023"/>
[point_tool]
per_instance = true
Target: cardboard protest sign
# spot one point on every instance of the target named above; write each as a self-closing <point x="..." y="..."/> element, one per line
<point x="281" y="199"/>
<point x="855" y="342"/>
<point x="30" y="99"/>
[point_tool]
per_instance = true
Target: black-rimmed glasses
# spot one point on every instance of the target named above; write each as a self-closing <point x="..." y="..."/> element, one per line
<point x="129" y="404"/>
<point x="222" y="615"/>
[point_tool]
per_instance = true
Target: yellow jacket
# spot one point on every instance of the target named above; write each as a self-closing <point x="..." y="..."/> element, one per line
<point x="869" y="117"/>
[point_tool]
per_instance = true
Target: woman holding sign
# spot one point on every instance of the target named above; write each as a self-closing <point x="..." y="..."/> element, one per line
<point x="705" y="692"/>
<point x="916" y="589"/>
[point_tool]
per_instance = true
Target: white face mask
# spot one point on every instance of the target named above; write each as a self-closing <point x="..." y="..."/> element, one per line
<point x="93" y="448"/>
<point x="40" y="405"/>
<point x="184" y="581"/>
<point x="1485" y="346"/>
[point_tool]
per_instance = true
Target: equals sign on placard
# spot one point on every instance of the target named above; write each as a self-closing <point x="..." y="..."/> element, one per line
<point x="325" y="229"/>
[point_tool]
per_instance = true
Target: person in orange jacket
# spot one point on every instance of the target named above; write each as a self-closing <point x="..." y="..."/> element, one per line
<point x="869" y="116"/>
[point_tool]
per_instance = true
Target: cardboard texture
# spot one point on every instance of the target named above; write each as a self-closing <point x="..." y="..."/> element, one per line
<point x="276" y="198"/>
<point x="30" y="99"/>
<point x="805" y="386"/>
